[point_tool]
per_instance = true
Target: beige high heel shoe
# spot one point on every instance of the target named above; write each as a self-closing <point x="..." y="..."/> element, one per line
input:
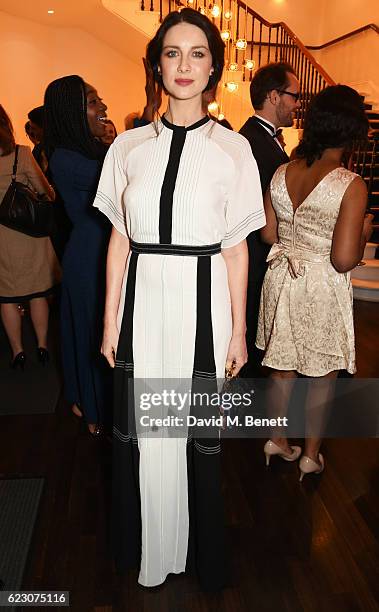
<point x="270" y="448"/>
<point x="308" y="466"/>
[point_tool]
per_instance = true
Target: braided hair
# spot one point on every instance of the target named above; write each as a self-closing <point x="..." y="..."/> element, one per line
<point x="335" y="118"/>
<point x="66" y="124"/>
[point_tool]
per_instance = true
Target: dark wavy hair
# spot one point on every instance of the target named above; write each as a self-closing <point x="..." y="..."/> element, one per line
<point x="335" y="118"/>
<point x="66" y="124"/>
<point x="37" y="116"/>
<point x="215" y="42"/>
<point x="266" y="79"/>
<point x="7" y="141"/>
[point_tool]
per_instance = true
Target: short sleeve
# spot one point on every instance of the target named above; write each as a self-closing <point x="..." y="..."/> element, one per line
<point x="112" y="184"/>
<point x="244" y="209"/>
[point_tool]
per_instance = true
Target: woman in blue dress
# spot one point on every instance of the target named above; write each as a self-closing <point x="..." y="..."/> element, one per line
<point x="74" y="125"/>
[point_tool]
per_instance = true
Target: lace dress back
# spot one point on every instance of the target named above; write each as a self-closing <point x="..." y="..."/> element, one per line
<point x="306" y="310"/>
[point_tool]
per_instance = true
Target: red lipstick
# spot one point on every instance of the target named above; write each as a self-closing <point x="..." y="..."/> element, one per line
<point x="184" y="82"/>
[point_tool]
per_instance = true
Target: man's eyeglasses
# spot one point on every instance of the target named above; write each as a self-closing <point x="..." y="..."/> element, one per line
<point x="296" y="96"/>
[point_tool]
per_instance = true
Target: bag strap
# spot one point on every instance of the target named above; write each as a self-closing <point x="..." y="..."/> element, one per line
<point x="14" y="171"/>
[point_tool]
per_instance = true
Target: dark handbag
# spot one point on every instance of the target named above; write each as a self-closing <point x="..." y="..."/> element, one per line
<point x="230" y="387"/>
<point x="24" y="211"/>
<point x="238" y="401"/>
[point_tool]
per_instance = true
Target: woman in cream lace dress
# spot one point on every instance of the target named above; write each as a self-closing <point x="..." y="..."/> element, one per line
<point x="316" y="223"/>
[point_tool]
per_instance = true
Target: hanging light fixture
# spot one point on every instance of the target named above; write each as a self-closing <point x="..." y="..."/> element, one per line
<point x="215" y="11"/>
<point x="225" y="35"/>
<point x="228" y="15"/>
<point x="213" y="107"/>
<point x="231" y="86"/>
<point x="241" y="44"/>
<point x="233" y="66"/>
<point x="249" y="64"/>
<point x="221" y="116"/>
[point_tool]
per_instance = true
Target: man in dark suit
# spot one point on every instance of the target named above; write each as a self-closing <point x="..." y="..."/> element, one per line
<point x="274" y="93"/>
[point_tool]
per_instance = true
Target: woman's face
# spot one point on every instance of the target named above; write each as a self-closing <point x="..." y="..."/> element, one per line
<point x="95" y="112"/>
<point x="186" y="61"/>
<point x="109" y="134"/>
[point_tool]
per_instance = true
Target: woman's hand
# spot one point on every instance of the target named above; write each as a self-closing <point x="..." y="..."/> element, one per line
<point x="237" y="354"/>
<point x="109" y="344"/>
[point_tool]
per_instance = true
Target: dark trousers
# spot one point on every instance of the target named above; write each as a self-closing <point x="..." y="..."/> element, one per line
<point x="258" y="252"/>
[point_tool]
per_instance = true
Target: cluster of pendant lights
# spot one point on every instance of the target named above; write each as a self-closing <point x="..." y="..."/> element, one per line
<point x="233" y="45"/>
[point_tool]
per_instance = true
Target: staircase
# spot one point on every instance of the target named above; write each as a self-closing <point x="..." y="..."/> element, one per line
<point x="271" y="42"/>
<point x="366" y="163"/>
<point x="265" y="42"/>
<point x="365" y="277"/>
<point x="146" y="21"/>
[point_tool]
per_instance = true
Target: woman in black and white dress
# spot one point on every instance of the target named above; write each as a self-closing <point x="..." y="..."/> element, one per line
<point x="182" y="194"/>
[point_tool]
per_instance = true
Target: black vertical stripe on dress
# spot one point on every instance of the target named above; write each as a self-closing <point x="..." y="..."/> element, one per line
<point x="206" y="542"/>
<point x="204" y="360"/>
<point x="126" y="513"/>
<point x="168" y="186"/>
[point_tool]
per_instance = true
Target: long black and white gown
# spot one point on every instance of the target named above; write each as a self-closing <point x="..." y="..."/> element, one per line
<point x="180" y="195"/>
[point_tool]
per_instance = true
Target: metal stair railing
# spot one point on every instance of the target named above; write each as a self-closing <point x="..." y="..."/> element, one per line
<point x="273" y="42"/>
<point x="267" y="42"/>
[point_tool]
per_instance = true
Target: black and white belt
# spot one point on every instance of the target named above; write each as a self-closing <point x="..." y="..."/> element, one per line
<point x="141" y="248"/>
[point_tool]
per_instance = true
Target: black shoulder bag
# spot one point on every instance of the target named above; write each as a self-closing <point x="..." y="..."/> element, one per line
<point x="23" y="210"/>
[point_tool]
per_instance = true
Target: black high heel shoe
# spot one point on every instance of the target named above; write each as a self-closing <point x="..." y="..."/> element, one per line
<point x="18" y="361"/>
<point x="43" y="355"/>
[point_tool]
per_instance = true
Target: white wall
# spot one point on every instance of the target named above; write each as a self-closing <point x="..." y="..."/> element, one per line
<point x="342" y="16"/>
<point x="304" y="17"/>
<point x="32" y="55"/>
<point x="318" y="21"/>
<point x="356" y="59"/>
<point x="353" y="61"/>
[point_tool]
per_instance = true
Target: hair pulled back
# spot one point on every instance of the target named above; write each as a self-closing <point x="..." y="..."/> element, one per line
<point x="335" y="118"/>
<point x="66" y="124"/>
<point x="215" y="42"/>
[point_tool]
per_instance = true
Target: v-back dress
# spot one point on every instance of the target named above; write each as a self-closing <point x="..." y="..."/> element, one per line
<point x="306" y="309"/>
<point x="180" y="196"/>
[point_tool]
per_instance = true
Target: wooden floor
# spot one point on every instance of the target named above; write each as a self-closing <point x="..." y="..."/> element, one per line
<point x="294" y="547"/>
